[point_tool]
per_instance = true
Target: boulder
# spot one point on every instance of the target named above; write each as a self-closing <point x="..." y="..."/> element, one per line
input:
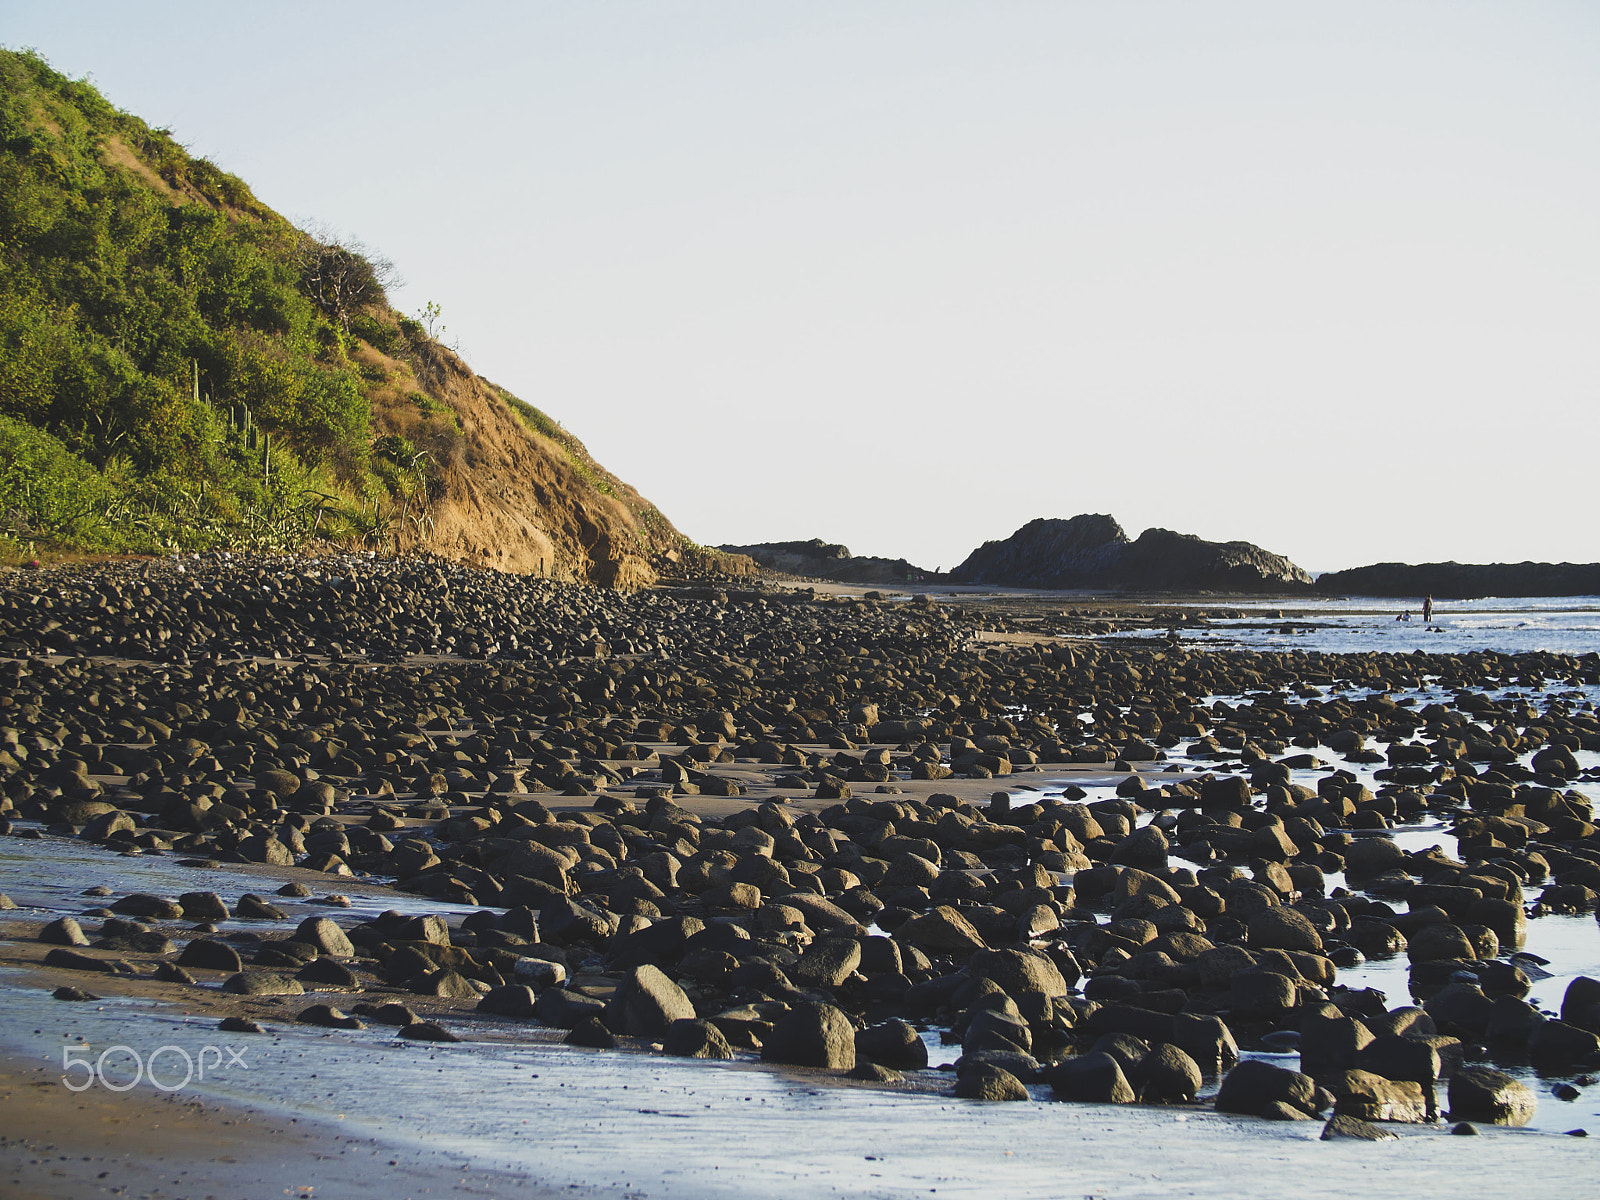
<point x="63" y="931"/>
<point x="566" y="1010"/>
<point x="1255" y="992"/>
<point x="985" y="1081"/>
<point x="1283" y="928"/>
<point x="1145" y="848"/>
<point x="1167" y="1075"/>
<point x="324" y="974"/>
<point x="826" y="963"/>
<point x="428" y="1031"/>
<point x="812" y="1035"/>
<point x="71" y="960"/>
<point x="591" y="1033"/>
<point x="1556" y="1046"/>
<point x="1252" y="1085"/>
<point x="1368" y="857"/>
<point x="1343" y="1125"/>
<point x="210" y="956"/>
<point x="892" y="1044"/>
<point x="1330" y="1043"/>
<point x="328" y="1017"/>
<point x="1018" y="973"/>
<point x="446" y="984"/>
<point x="693" y="1038"/>
<point x="510" y="1000"/>
<point x="154" y="908"/>
<point x="1370" y="1097"/>
<point x="1440" y="941"/>
<point x="943" y="930"/>
<point x="251" y="907"/>
<point x="1489" y="1096"/>
<point x="262" y="983"/>
<point x="1090" y="1078"/>
<point x="538" y="973"/>
<point x="325" y="936"/>
<point x="1580" y="1003"/>
<point x="646" y="1004"/>
<point x="203" y="906"/>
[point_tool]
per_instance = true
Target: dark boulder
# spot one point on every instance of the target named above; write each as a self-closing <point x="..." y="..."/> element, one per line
<point x="428" y="1031"/>
<point x="262" y="983"/>
<point x="692" y="1038"/>
<point x="1490" y="1096"/>
<point x="63" y="931"/>
<point x="1557" y="1046"/>
<point x="326" y="974"/>
<point x="510" y="1000"/>
<point x="1167" y="1075"/>
<point x="646" y="1004"/>
<point x="325" y="936"/>
<point x="1343" y="1125"/>
<point x="826" y="963"/>
<point x="1580" y="1004"/>
<point x="985" y="1081"/>
<point x="892" y="1044"/>
<point x="567" y="1010"/>
<point x="812" y="1035"/>
<point x="203" y="906"/>
<point x="1252" y="1085"/>
<point x="1371" y="1097"/>
<point x="210" y="956"/>
<point x="1090" y="1078"/>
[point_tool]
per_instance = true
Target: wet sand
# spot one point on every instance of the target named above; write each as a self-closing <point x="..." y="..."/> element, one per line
<point x="481" y="1119"/>
<point x="60" y="1145"/>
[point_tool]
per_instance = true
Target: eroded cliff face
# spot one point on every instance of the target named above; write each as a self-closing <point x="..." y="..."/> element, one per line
<point x="1464" y="581"/>
<point x="1092" y="551"/>
<point x="507" y="497"/>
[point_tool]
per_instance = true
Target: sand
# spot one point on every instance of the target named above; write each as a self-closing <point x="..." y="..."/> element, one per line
<point x="60" y="1145"/>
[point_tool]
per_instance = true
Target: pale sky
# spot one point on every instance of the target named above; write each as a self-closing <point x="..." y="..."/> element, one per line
<point x="1323" y="276"/>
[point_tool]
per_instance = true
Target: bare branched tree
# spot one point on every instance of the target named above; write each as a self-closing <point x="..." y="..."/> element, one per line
<point x="341" y="274"/>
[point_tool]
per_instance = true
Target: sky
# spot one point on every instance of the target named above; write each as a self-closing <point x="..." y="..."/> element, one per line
<point x="1323" y="276"/>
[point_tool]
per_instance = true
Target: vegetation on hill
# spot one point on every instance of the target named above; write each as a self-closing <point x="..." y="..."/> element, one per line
<point x="182" y="368"/>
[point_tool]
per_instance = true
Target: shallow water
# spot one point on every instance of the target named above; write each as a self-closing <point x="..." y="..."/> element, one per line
<point x="1561" y="624"/>
<point x="642" y="1126"/>
<point x="1570" y="943"/>
<point x="51" y="874"/>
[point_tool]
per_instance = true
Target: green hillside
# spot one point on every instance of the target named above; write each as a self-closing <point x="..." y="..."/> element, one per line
<point x="180" y="367"/>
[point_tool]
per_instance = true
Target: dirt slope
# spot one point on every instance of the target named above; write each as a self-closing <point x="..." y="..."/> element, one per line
<point x="504" y="495"/>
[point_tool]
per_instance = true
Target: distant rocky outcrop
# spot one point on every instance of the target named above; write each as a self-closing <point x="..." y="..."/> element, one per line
<point x="1464" y="581"/>
<point x="817" y="559"/>
<point x="1092" y="551"/>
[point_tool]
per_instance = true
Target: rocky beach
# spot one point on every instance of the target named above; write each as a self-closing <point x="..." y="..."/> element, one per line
<point x="416" y="785"/>
<point x="402" y="827"/>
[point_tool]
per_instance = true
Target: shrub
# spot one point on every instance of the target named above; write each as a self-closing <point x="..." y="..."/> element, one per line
<point x="375" y="333"/>
<point x="50" y="495"/>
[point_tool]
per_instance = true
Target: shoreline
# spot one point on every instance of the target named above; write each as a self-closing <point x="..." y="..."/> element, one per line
<point x="56" y="1144"/>
<point x="640" y="1127"/>
<point x="753" y="823"/>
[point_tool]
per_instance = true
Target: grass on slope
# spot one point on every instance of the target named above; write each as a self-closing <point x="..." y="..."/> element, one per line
<point x="180" y="367"/>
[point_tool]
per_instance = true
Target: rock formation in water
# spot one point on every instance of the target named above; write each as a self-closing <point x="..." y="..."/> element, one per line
<point x="816" y="559"/>
<point x="1464" y="581"/>
<point x="1092" y="551"/>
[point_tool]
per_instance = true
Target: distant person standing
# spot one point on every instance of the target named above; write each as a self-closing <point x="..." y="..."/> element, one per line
<point x="1427" y="610"/>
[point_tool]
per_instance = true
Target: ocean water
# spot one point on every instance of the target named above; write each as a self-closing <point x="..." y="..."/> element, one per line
<point x="1568" y="945"/>
<point x="1559" y="624"/>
